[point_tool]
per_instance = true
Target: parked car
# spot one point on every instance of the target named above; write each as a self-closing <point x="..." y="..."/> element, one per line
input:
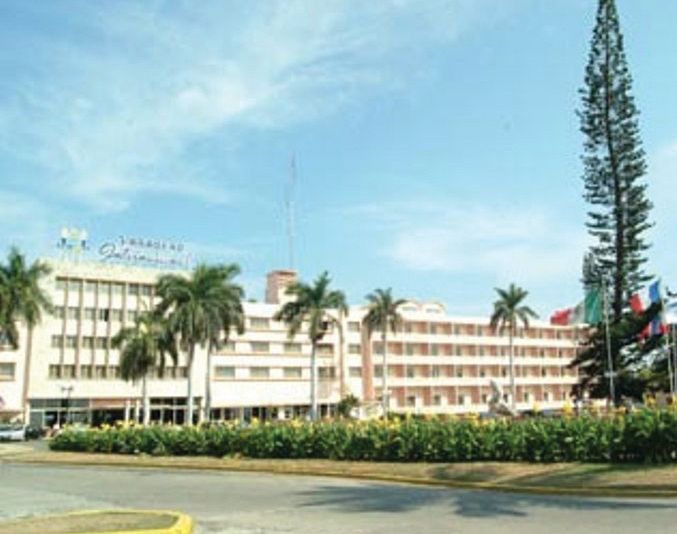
<point x="10" y="432"/>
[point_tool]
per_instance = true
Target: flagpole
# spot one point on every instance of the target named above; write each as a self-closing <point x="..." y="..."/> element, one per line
<point x="666" y="339"/>
<point x="610" y="364"/>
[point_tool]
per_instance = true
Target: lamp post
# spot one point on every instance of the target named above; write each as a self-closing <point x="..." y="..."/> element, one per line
<point x="66" y="391"/>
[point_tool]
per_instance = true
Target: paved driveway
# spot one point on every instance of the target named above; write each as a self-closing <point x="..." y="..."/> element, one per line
<point x="255" y="503"/>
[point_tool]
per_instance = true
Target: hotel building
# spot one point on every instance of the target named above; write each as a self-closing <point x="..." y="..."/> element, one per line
<point x="438" y="363"/>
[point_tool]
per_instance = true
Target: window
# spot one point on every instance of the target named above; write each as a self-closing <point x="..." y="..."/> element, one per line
<point x="228" y="346"/>
<point x="100" y="371"/>
<point x="104" y="287"/>
<point x="409" y="349"/>
<point x="480" y="351"/>
<point x="260" y="346"/>
<point x="54" y="371"/>
<point x="86" y="372"/>
<point x="104" y="315"/>
<point x="544" y="372"/>
<point x="74" y="286"/>
<point x="433" y="328"/>
<point x="436" y="371"/>
<point x="437" y="400"/>
<point x="90" y="286"/>
<point x="259" y="323"/>
<point x="353" y="326"/>
<point x="89" y="314"/>
<point x="59" y="312"/>
<point x="355" y="372"/>
<point x="325" y="349"/>
<point x="457" y="350"/>
<point x="222" y="371"/>
<point x="485" y="398"/>
<point x="410" y="372"/>
<point x="546" y="396"/>
<point x="117" y="289"/>
<point x="292" y="372"/>
<point x="527" y="396"/>
<point x="459" y="372"/>
<point x="57" y="342"/>
<point x="101" y="343"/>
<point x="88" y="342"/>
<point x="457" y="330"/>
<point x="7" y="371"/>
<point x="71" y="342"/>
<point x="354" y="349"/>
<point x="133" y="289"/>
<point x="292" y="348"/>
<point x="378" y="371"/>
<point x="69" y="371"/>
<point x="113" y="371"/>
<point x="259" y="372"/>
<point x="461" y="399"/>
<point x="61" y="284"/>
<point x="73" y="312"/>
<point x="116" y="315"/>
<point x="146" y="290"/>
<point x="327" y="372"/>
<point x="411" y="400"/>
<point x="132" y="315"/>
<point x="482" y="373"/>
<point x="182" y="372"/>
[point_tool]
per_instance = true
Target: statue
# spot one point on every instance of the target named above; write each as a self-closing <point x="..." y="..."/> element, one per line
<point x="497" y="405"/>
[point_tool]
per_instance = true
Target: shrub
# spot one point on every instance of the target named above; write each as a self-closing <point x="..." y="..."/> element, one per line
<point x="648" y="436"/>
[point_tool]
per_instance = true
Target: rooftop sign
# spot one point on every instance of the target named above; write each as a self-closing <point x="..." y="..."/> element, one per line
<point x="146" y="252"/>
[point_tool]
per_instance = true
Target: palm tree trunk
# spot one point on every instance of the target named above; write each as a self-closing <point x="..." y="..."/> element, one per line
<point x="313" y="382"/>
<point x="189" y="395"/>
<point x="145" y="400"/>
<point x="208" y="382"/>
<point x="512" y="372"/>
<point x="384" y="376"/>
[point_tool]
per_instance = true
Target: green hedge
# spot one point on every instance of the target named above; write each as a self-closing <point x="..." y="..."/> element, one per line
<point x="644" y="436"/>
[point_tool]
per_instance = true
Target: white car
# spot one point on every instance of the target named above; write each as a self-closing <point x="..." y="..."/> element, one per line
<point x="12" y="432"/>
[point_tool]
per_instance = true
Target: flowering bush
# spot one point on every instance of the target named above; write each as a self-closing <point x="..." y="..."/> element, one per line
<point x="643" y="436"/>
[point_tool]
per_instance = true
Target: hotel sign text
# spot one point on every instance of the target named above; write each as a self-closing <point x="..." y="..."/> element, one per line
<point x="149" y="252"/>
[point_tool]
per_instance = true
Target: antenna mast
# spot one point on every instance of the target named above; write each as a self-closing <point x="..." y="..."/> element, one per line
<point x="289" y="206"/>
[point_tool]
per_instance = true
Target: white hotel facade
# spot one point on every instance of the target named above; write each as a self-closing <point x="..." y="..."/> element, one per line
<point x="438" y="363"/>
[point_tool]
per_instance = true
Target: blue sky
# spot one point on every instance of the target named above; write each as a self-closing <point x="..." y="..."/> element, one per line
<point x="437" y="144"/>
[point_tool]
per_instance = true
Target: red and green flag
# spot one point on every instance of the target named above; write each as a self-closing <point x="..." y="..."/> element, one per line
<point x="588" y="311"/>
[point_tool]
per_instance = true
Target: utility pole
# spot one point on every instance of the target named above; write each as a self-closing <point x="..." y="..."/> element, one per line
<point x="289" y="193"/>
<point x="610" y="363"/>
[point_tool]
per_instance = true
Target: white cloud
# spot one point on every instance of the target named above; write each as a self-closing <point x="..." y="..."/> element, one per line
<point x="515" y="243"/>
<point x="111" y="117"/>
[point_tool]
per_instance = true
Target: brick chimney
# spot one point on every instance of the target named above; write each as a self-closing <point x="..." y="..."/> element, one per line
<point x="276" y="286"/>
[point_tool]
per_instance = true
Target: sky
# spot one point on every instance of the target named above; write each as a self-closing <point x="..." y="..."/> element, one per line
<point x="436" y="142"/>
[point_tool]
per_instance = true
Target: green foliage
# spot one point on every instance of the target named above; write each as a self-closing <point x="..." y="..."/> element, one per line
<point x="648" y="436"/>
<point x="346" y="405"/>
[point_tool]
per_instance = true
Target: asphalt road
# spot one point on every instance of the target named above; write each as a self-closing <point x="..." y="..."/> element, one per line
<point x="256" y="503"/>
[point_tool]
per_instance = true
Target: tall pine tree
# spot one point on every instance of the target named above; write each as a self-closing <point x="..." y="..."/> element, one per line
<point x="614" y="164"/>
<point x="618" y="216"/>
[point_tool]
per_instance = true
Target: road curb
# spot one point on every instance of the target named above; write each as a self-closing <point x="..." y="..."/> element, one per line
<point x="183" y="523"/>
<point x="452" y="484"/>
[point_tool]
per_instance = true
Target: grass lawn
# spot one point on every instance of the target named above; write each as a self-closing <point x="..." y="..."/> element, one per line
<point x="561" y="477"/>
<point x="89" y="522"/>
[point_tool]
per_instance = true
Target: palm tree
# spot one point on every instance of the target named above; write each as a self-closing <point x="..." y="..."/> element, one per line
<point x="22" y="299"/>
<point x="508" y="312"/>
<point x="383" y="315"/>
<point x="145" y="346"/>
<point x="313" y="304"/>
<point x="200" y="309"/>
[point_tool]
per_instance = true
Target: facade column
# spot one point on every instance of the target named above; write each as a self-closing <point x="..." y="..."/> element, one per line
<point x="127" y="410"/>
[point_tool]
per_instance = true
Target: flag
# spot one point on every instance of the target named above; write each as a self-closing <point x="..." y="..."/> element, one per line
<point x="588" y="311"/>
<point x="657" y="326"/>
<point x="639" y="305"/>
